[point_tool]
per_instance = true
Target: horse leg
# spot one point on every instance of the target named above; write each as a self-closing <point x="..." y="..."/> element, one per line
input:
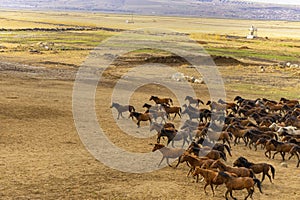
<point x="212" y="188"/>
<point x="184" y="139"/>
<point x="206" y="184"/>
<point x="245" y="141"/>
<point x="263" y="176"/>
<point x="174" y="116"/>
<point x="190" y="171"/>
<point x="228" y="143"/>
<point x="292" y="154"/>
<point x="235" y="141"/>
<point x="268" y="177"/>
<point x="250" y="143"/>
<point x="249" y="193"/>
<point x="168" y="162"/>
<point x="232" y="195"/>
<point x="168" y="116"/>
<point x="226" y="194"/>
<point x="282" y="155"/>
<point x="255" y="146"/>
<point x="275" y="154"/>
<point x="161" y="161"/>
<point x="197" y="178"/>
<point x="298" y="159"/>
<point x="266" y="154"/>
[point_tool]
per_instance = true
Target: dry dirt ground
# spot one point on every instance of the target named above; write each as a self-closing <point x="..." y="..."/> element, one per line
<point x="42" y="156"/>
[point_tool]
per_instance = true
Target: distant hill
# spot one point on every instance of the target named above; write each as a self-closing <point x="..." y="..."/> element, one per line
<point x="200" y="8"/>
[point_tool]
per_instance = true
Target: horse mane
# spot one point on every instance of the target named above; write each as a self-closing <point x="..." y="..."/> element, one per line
<point x="222" y="173"/>
<point x="245" y="162"/>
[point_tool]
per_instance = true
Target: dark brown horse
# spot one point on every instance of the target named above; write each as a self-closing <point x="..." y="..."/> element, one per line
<point x="257" y="168"/>
<point x="122" y="108"/>
<point x="282" y="148"/>
<point x="141" y="117"/>
<point x="168" y="130"/>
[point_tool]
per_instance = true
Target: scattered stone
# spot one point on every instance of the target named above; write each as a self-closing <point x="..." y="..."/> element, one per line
<point x="284" y="164"/>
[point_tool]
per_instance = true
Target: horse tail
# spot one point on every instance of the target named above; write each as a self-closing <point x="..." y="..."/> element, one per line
<point x="276" y="136"/>
<point x="252" y="175"/>
<point x="256" y="181"/>
<point x="131" y="108"/>
<point x="178" y="161"/>
<point x="199" y="101"/>
<point x="171" y="101"/>
<point x="272" y="170"/>
<point x="228" y="149"/>
<point x="230" y="135"/>
<point x="158" y="137"/>
<point x="223" y="155"/>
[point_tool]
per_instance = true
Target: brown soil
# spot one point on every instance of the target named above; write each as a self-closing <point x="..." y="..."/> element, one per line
<point x="42" y="156"/>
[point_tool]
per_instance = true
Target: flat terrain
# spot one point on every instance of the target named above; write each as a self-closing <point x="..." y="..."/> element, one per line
<point x="42" y="156"/>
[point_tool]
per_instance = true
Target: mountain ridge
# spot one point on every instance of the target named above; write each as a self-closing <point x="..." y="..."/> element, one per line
<point x="198" y="8"/>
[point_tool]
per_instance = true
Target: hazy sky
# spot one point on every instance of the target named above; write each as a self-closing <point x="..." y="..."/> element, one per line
<point x="293" y="2"/>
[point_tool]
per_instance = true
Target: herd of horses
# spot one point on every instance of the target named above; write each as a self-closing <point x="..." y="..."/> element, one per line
<point x="210" y="132"/>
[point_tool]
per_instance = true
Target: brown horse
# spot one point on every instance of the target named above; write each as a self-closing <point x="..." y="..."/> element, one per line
<point x="121" y="108"/>
<point x="257" y="168"/>
<point x="239" y="171"/>
<point x="216" y="106"/>
<point x="218" y="136"/>
<point x="287" y="101"/>
<point x="229" y="106"/>
<point x="238" y="132"/>
<point x="193" y="161"/>
<point x="209" y="177"/>
<point x="295" y="151"/>
<point x="206" y="151"/>
<point x="172" y="110"/>
<point x="158" y="100"/>
<point x="141" y="117"/>
<point x="282" y="148"/>
<point x="268" y="145"/>
<point x="239" y="183"/>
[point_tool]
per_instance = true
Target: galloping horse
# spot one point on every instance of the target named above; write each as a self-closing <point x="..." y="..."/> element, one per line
<point x="192" y="100"/>
<point x="239" y="183"/>
<point x="257" y="168"/>
<point x="141" y="117"/>
<point x="122" y="109"/>
<point x="169" y="110"/>
<point x="158" y="100"/>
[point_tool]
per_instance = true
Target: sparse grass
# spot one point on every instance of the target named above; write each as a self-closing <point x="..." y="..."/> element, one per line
<point x="268" y="49"/>
<point x="217" y="36"/>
